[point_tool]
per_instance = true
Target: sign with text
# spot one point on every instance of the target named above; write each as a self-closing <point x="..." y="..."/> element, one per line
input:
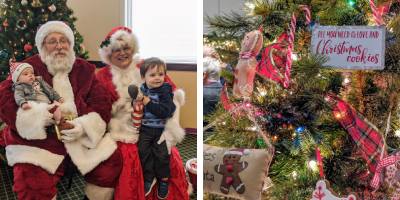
<point x="350" y="47"/>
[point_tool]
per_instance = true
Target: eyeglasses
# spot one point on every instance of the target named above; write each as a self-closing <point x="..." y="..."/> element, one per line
<point x="120" y="50"/>
<point x="54" y="43"/>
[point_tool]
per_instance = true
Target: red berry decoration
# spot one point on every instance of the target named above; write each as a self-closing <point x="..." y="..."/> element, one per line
<point x="5" y="23"/>
<point x="27" y="47"/>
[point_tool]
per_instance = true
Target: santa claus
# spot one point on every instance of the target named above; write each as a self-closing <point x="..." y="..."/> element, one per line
<point x="38" y="157"/>
<point x="119" y="50"/>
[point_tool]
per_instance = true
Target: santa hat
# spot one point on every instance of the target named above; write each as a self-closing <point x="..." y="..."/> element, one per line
<point x="239" y="152"/>
<point x="53" y="27"/>
<point x="16" y="68"/>
<point x="116" y="38"/>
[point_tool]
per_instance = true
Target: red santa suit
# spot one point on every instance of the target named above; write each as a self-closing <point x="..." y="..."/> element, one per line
<point x="38" y="157"/>
<point x="131" y="183"/>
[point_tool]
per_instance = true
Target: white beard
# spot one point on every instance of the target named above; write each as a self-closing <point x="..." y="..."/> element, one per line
<point x="56" y="64"/>
<point x="60" y="68"/>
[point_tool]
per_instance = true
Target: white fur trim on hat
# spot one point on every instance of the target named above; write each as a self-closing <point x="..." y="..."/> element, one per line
<point x="239" y="152"/>
<point x="53" y="27"/>
<point x="117" y="40"/>
<point x="18" y="71"/>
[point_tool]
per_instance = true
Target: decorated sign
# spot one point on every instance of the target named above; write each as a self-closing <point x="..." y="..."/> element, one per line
<point x="350" y="47"/>
<point x="238" y="173"/>
<point x="321" y="192"/>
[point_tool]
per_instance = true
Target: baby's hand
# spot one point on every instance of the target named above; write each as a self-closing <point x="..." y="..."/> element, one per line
<point x="61" y="100"/>
<point x="25" y="106"/>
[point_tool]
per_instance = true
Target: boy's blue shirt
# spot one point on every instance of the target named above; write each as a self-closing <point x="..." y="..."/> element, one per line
<point x="161" y="105"/>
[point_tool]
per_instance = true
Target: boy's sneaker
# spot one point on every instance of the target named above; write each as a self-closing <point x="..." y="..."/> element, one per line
<point x="162" y="191"/>
<point x="148" y="186"/>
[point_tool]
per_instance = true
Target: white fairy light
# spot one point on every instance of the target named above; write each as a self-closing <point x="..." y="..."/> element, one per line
<point x="312" y="164"/>
<point x="250" y="5"/>
<point x="294" y="174"/>
<point x="397" y="133"/>
<point x="346" y="80"/>
<point x="294" y="57"/>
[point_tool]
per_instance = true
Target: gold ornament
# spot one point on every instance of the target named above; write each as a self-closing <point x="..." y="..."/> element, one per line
<point x="52" y="8"/>
<point x="36" y="3"/>
<point x="5" y="23"/>
<point x="24" y="2"/>
<point x="68" y="117"/>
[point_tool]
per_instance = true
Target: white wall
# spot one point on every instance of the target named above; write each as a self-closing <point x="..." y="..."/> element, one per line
<point x="95" y="18"/>
<point x="219" y="7"/>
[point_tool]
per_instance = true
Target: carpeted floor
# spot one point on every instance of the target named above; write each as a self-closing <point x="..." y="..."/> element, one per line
<point x="187" y="150"/>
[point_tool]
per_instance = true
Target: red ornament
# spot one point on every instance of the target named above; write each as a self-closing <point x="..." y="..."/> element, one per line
<point x="28" y="47"/>
<point x="5" y="23"/>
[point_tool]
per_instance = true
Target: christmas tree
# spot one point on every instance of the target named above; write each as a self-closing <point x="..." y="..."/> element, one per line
<point x="19" y="23"/>
<point x="317" y="108"/>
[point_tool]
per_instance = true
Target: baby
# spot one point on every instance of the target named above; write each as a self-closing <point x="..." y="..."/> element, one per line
<point x="27" y="87"/>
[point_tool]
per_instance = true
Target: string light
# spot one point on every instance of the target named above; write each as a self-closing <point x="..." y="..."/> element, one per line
<point x="312" y="164"/>
<point x="294" y="57"/>
<point x="300" y="129"/>
<point x="346" y="81"/>
<point x="250" y="5"/>
<point x="397" y="133"/>
<point x="351" y="3"/>
<point x="338" y="115"/>
<point x="294" y="175"/>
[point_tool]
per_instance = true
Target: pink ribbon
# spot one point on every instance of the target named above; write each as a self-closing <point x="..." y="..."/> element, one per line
<point x="246" y="55"/>
<point x="390" y="160"/>
<point x="319" y="161"/>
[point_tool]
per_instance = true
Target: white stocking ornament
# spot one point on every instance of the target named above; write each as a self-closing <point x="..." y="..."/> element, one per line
<point x="323" y="193"/>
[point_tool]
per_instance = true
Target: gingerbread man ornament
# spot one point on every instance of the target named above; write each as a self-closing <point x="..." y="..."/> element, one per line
<point x="230" y="170"/>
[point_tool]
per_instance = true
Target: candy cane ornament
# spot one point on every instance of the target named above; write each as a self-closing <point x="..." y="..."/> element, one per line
<point x="376" y="13"/>
<point x="292" y="30"/>
<point x="307" y="12"/>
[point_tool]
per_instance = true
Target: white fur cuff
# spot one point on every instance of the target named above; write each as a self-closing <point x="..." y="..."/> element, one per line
<point x="31" y="123"/>
<point x="94" y="127"/>
<point x="87" y="159"/>
<point x="33" y="155"/>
